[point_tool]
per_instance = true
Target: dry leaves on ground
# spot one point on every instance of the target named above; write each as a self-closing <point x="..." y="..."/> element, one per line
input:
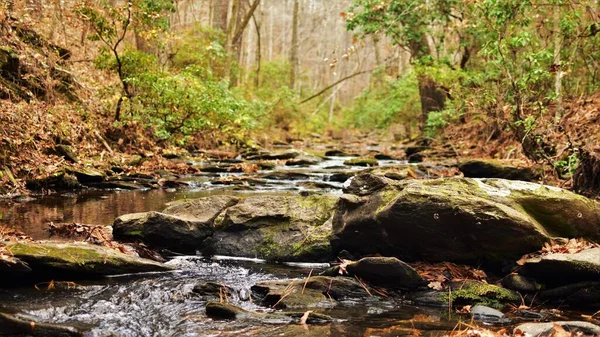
<point x="439" y="275"/>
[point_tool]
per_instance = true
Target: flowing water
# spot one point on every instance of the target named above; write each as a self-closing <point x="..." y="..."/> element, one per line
<point x="164" y="304"/>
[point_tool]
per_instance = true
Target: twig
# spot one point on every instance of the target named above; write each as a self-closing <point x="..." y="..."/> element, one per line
<point x="305" y="282"/>
<point x="363" y="285"/>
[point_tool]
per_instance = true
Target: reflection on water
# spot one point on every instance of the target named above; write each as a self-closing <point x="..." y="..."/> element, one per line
<point x="98" y="207"/>
<point x="89" y="207"/>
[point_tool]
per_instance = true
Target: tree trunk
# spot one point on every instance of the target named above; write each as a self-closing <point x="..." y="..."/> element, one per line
<point x="294" y="53"/>
<point x="557" y="66"/>
<point x="432" y="97"/>
<point x="586" y="179"/>
<point x="240" y="17"/>
<point x="257" y="25"/>
<point x="219" y="14"/>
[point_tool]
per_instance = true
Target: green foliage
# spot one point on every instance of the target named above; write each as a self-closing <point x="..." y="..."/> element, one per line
<point x="182" y="103"/>
<point x="201" y="51"/>
<point x="384" y="102"/>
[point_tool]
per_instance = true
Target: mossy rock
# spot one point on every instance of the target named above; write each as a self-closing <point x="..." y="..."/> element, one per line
<point x="276" y="228"/>
<point x="314" y="292"/>
<point x="361" y="162"/>
<point x="461" y="220"/>
<point x="478" y="293"/>
<point x="59" y="260"/>
<point x="57" y="181"/>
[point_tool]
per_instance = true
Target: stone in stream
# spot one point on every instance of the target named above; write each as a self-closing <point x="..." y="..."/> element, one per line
<point x="276" y="228"/>
<point x="273" y="227"/>
<point x="314" y="292"/>
<point x="461" y="220"/>
<point x="495" y="169"/>
<point x="488" y="315"/>
<point x="228" y="311"/>
<point x="51" y="261"/>
<point x="303" y="160"/>
<point x="181" y="227"/>
<point x="11" y="325"/>
<point x="547" y="329"/>
<point x="87" y="176"/>
<point x="338" y="153"/>
<point x="466" y="293"/>
<point x="285" y="175"/>
<point x="581" y="294"/>
<point x="361" y="162"/>
<point x="266" y="155"/>
<point x="214" y="290"/>
<point x="387" y="272"/>
<point x="562" y="268"/>
<point x="520" y="283"/>
<point x="57" y="181"/>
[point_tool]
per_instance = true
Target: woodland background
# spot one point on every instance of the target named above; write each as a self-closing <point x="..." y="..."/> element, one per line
<point x="114" y="79"/>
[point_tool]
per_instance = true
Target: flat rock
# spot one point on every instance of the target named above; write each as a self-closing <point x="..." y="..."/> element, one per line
<point x="87" y="176"/>
<point x="562" y="268"/>
<point x="547" y="329"/>
<point x="11" y="325"/>
<point x="281" y="155"/>
<point x="59" y="260"/>
<point x="495" y="169"/>
<point x="488" y="315"/>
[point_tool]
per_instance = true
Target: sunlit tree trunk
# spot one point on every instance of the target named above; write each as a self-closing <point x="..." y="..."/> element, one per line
<point x="218" y="12"/>
<point x="294" y="53"/>
<point x="557" y="66"/>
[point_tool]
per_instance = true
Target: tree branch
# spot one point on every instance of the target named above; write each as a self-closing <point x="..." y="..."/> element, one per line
<point x="334" y="84"/>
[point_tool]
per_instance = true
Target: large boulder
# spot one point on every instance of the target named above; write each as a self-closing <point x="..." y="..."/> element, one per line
<point x="282" y="228"/>
<point x="457" y="219"/>
<point x="50" y="260"/>
<point x="181" y="227"/>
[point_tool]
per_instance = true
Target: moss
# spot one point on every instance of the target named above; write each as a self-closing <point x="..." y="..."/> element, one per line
<point x="84" y="259"/>
<point x="321" y="206"/>
<point x="362" y="162"/>
<point x="387" y="196"/>
<point x="472" y="292"/>
<point x="135" y="232"/>
<point x="268" y="249"/>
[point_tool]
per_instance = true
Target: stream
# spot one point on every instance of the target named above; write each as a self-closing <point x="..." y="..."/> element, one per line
<point x="164" y="304"/>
